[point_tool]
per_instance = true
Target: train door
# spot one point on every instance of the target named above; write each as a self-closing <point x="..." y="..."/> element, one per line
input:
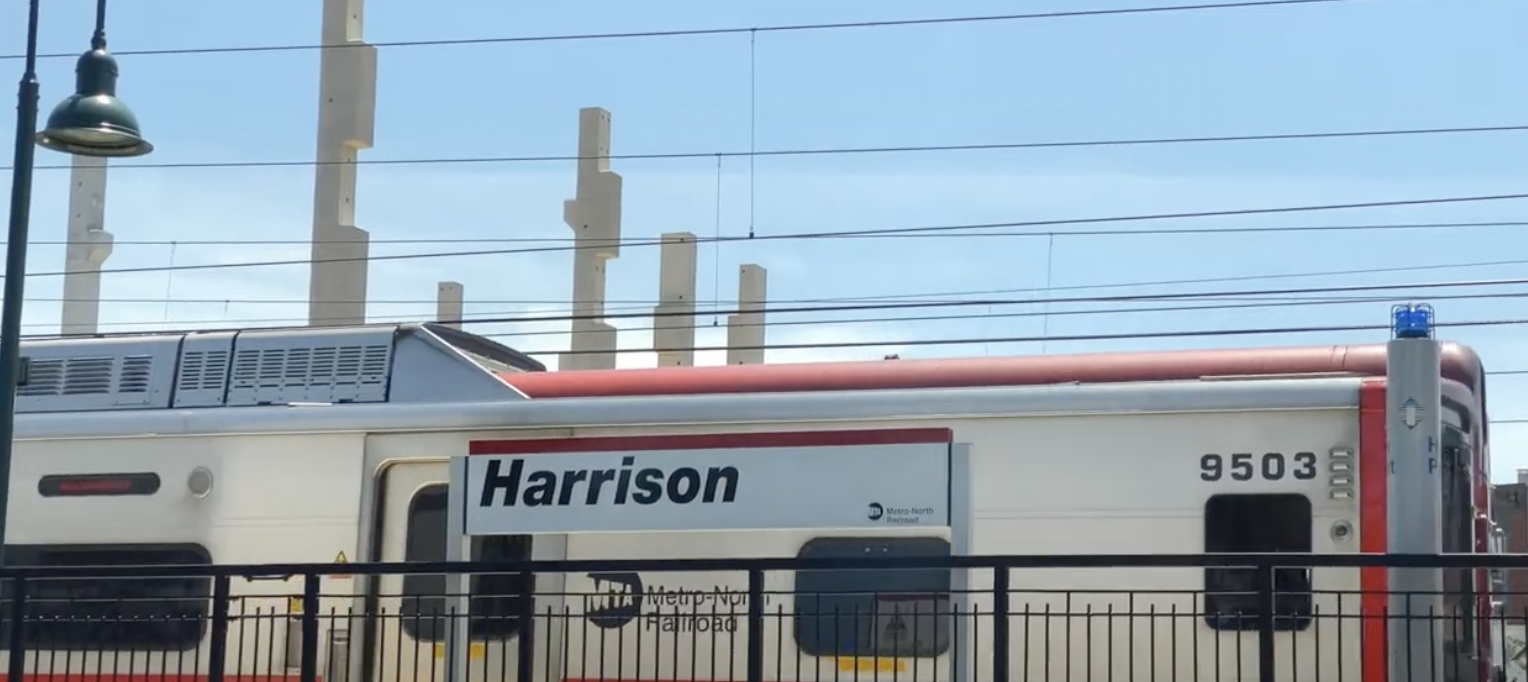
<point x="1463" y="657"/>
<point x="413" y="611"/>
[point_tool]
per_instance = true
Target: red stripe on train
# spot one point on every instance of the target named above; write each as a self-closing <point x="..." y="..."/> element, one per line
<point x="1373" y="525"/>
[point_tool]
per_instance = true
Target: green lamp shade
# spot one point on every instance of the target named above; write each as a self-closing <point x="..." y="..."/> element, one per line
<point x="93" y="122"/>
<point x="94" y="125"/>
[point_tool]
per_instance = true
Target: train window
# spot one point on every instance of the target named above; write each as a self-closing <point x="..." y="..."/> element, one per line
<point x="1264" y="524"/>
<point x="873" y="612"/>
<point x="495" y="604"/>
<point x="136" y="614"/>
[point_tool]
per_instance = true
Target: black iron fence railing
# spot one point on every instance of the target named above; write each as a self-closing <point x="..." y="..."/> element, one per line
<point x="946" y="619"/>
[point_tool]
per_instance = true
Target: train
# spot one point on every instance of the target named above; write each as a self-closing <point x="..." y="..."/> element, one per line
<point x="336" y="444"/>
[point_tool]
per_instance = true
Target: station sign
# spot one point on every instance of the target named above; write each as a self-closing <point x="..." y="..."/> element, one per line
<point x="731" y="488"/>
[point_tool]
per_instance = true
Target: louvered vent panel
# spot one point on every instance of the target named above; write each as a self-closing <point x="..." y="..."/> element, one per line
<point x="100" y="375"/>
<point x="137" y="371"/>
<point x="87" y="376"/>
<point x="202" y="370"/>
<point x="309" y="373"/>
<point x="45" y="378"/>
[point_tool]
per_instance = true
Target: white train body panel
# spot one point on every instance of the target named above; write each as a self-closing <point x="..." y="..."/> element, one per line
<point x="1043" y="484"/>
<point x="1071" y="469"/>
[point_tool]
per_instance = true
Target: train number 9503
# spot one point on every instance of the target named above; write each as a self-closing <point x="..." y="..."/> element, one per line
<point x="1245" y="466"/>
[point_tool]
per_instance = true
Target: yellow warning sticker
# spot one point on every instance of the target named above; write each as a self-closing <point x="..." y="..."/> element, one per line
<point x="475" y="650"/>
<point x="340" y="559"/>
<point x="872" y="664"/>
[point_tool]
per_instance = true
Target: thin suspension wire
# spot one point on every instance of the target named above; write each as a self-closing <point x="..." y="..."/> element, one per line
<point x="753" y="124"/>
<point x="716" y="249"/>
<point x="921" y="305"/>
<point x="822" y="235"/>
<point x="674" y="33"/>
<point x="830" y="151"/>
<point x="1071" y="338"/>
<point x="1134" y="307"/>
<point x="926" y="296"/>
<point x="637" y="241"/>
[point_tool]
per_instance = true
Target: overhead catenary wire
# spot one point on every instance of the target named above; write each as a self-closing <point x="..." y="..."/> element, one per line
<point x="1244" y="304"/>
<point x="636" y="304"/>
<point x="830" y="151"/>
<point x="1124" y="298"/>
<point x="648" y="241"/>
<point x="1219" y="304"/>
<point x="819" y="235"/>
<point x="676" y="33"/>
<point x="1055" y="338"/>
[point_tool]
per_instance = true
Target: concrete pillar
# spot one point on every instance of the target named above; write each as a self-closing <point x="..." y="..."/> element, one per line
<point x="347" y="100"/>
<point x="594" y="215"/>
<point x="745" y="330"/>
<point x="674" y="318"/>
<point x="448" y="304"/>
<point x="89" y="245"/>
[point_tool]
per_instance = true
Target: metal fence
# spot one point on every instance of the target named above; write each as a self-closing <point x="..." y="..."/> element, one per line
<point x="931" y="619"/>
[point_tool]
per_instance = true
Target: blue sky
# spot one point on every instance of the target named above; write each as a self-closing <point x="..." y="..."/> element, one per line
<point x="1372" y="65"/>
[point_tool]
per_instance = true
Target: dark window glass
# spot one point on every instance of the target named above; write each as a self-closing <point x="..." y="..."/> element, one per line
<point x="140" y="614"/>
<point x="1258" y="524"/>
<point x="1460" y="594"/>
<point x="495" y="605"/>
<point x="904" y="613"/>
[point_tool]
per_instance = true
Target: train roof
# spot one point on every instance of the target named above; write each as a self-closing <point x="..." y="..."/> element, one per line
<point x="382" y="363"/>
<point x="1460" y="363"/>
<point x="432" y="363"/>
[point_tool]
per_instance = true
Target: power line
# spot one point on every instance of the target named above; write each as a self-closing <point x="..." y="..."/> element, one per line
<point x="647" y="241"/>
<point x="814" y="235"/>
<point x="675" y="33"/>
<point x="841" y="151"/>
<point x="1128" y="298"/>
<point x="1230" y="303"/>
<point x="634" y="304"/>
<point x="959" y="341"/>
<point x="1066" y="300"/>
<point x="1221" y="307"/>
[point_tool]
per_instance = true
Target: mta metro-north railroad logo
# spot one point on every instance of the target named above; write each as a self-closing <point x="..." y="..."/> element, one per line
<point x="617" y="600"/>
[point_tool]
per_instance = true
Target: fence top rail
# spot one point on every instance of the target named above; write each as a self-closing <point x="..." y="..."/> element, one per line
<point x="1013" y="561"/>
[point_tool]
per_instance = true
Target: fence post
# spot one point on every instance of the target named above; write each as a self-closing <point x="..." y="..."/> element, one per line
<point x="17" y="643"/>
<point x="525" y="663"/>
<point x="755" y="625"/>
<point x="218" y="649"/>
<point x="1001" y="635"/>
<point x="309" y="663"/>
<point x="1263" y="578"/>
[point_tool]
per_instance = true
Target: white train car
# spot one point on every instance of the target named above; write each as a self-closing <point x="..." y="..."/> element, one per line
<point x="333" y="444"/>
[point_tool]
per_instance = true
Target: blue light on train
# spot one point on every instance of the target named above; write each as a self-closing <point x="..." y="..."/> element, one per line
<point x="1412" y="321"/>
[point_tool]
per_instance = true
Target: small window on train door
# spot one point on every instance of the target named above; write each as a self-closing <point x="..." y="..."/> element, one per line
<point x="495" y="605"/>
<point x="1258" y="524"/>
<point x="903" y="613"/>
<point x="131" y="614"/>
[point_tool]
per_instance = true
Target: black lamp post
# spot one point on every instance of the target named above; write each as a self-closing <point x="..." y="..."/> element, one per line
<point x="91" y="122"/>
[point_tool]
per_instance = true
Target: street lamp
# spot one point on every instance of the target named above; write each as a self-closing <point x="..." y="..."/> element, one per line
<point x="91" y="122"/>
